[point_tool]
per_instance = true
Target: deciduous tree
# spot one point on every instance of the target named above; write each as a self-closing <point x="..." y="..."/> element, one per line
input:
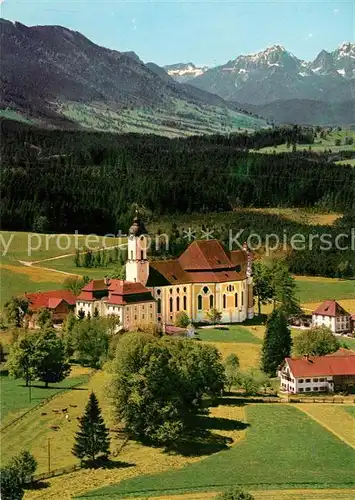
<point x="10" y="484"/>
<point x="317" y="341"/>
<point x="262" y="284"/>
<point x="44" y="317"/>
<point x="182" y="320"/>
<point x="159" y="383"/>
<point x="90" y="340"/>
<point x="25" y="464"/>
<point x="231" y="367"/>
<point x="213" y="315"/>
<point x="50" y="361"/>
<point x="21" y="359"/>
<point x="15" y="310"/>
<point x="235" y="493"/>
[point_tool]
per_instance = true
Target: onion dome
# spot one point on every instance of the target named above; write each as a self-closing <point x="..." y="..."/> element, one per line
<point x="137" y="228"/>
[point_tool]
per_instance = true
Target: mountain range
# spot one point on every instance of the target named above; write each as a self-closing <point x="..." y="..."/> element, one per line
<point x="54" y="76"/>
<point x="57" y="77"/>
<point x="274" y="82"/>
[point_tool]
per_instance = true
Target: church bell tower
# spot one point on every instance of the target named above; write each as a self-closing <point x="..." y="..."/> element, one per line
<point x="137" y="265"/>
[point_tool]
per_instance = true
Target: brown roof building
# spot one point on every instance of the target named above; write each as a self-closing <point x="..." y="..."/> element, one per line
<point x="333" y="316"/>
<point x="206" y="276"/>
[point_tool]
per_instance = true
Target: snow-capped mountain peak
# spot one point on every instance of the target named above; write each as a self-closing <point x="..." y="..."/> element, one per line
<point x="184" y="71"/>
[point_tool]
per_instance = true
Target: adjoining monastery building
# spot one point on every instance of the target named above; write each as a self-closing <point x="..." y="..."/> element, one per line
<point x="205" y="276"/>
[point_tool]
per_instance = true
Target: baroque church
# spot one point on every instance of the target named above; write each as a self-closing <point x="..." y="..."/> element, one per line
<point x="205" y="276"/>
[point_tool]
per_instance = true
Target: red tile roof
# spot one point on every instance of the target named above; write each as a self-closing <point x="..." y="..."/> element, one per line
<point x="117" y="292"/>
<point x="322" y="366"/>
<point x="203" y="255"/>
<point x="50" y="299"/>
<point x="202" y="262"/>
<point x="330" y="308"/>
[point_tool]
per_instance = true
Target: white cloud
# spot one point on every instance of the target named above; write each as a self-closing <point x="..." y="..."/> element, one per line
<point x="134" y="23"/>
<point x="310" y="35"/>
<point x="335" y="11"/>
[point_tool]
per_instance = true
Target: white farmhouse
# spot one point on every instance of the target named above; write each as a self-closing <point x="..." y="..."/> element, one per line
<point x="333" y="316"/>
<point x="330" y="373"/>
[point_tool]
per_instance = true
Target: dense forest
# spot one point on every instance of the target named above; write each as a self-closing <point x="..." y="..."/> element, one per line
<point x="86" y="181"/>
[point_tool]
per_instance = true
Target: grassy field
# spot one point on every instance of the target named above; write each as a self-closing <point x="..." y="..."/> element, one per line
<point x="330" y="494"/>
<point x="179" y="119"/>
<point x="319" y="145"/>
<point x="32" y="246"/>
<point x="346" y="162"/>
<point x="17" y="278"/>
<point x="336" y="419"/>
<point x="233" y="333"/>
<point x="283" y="447"/>
<point x="134" y="459"/>
<point x="15" y="395"/>
<point x="67" y="264"/>
<point x="314" y="290"/>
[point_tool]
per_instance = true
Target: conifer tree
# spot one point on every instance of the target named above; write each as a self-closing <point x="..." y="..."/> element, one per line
<point x="277" y="342"/>
<point x="93" y="435"/>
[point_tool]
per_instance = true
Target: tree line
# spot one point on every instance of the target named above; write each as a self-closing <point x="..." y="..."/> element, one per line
<point x="63" y="181"/>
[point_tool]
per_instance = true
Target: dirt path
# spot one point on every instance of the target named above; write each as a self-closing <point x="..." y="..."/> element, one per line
<point x="33" y="263"/>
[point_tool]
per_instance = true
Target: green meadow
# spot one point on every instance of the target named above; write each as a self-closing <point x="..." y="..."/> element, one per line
<point x="283" y="448"/>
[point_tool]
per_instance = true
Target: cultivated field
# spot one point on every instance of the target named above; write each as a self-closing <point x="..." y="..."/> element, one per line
<point x="336" y="419"/>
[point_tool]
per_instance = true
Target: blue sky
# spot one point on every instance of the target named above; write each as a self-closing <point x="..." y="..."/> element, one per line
<point x="211" y="32"/>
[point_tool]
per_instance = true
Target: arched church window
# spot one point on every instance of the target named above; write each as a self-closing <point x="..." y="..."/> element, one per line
<point x="184" y="289"/>
<point x="185" y="302"/>
<point x="224" y="301"/>
<point x="205" y="289"/>
<point x="211" y="301"/>
<point x="199" y="302"/>
<point x="171" y="304"/>
<point x="142" y="255"/>
<point x="131" y="254"/>
<point x="171" y="291"/>
<point x="242" y="298"/>
<point x="158" y="292"/>
<point x="178" y="303"/>
<point x="235" y="300"/>
<point x="178" y="290"/>
<point x="159" y="306"/>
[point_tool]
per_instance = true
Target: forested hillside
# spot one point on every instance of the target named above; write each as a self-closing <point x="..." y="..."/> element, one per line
<point x="86" y="181"/>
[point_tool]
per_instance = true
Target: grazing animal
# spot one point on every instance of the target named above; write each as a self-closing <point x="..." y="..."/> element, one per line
<point x="54" y="427"/>
<point x="43" y="413"/>
<point x="67" y="418"/>
<point x="74" y="406"/>
<point x="65" y="410"/>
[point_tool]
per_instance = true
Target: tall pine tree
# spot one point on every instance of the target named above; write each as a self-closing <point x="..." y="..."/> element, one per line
<point x="277" y="342"/>
<point x="92" y="438"/>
